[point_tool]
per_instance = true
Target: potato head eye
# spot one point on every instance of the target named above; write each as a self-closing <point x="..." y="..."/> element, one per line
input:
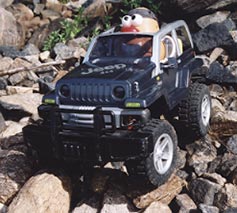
<point x="126" y="21"/>
<point x="137" y="20"/>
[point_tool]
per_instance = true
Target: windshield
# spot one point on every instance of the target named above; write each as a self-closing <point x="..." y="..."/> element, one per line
<point x="122" y="46"/>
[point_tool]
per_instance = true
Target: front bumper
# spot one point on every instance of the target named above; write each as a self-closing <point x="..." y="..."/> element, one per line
<point x="69" y="146"/>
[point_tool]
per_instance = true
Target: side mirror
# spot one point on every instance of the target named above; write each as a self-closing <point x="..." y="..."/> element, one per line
<point x="172" y="63"/>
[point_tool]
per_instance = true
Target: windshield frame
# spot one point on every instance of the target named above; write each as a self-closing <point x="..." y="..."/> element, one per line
<point x="118" y="36"/>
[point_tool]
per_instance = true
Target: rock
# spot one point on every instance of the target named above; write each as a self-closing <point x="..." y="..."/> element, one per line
<point x="5" y="3"/>
<point x="81" y="41"/>
<point x="234" y="35"/>
<point x="181" y="160"/>
<point x="10" y="51"/>
<point x="17" y="78"/>
<point x="228" y="98"/>
<point x="164" y="193"/>
<point x="200" y="153"/>
<point x="227" y="197"/>
<point x="11" y="90"/>
<point x="3" y="208"/>
<point x="12" y="128"/>
<point x="19" y="105"/>
<point x="46" y="85"/>
<point x="230" y="25"/>
<point x="190" y="6"/>
<point x="212" y="36"/>
<point x="30" y="49"/>
<point x="34" y="59"/>
<point x="96" y="8"/>
<point x="3" y="83"/>
<point x="90" y="206"/>
<point x="21" y="12"/>
<point x="217" y="106"/>
<point x="15" y="169"/>
<point x="224" y="123"/>
<point x="50" y="14"/>
<point x="62" y="51"/>
<point x="34" y="24"/>
<point x="216" y="17"/>
<point x="231" y="68"/>
<point x="115" y="201"/>
<point x="38" y="8"/>
<point x="215" y="54"/>
<point x="230" y="210"/>
<point x="203" y="191"/>
<point x="11" y="32"/>
<point x="14" y="142"/>
<point x="182" y="174"/>
<point x="19" y="62"/>
<point x="157" y="205"/>
<point x="233" y="106"/>
<point x="216" y="178"/>
<point x="5" y="63"/>
<point x="2" y="123"/>
<point x="185" y="203"/>
<point x="12" y="111"/>
<point x="232" y="144"/>
<point x="216" y="90"/>
<point x="40" y="35"/>
<point x="208" y="209"/>
<point x="36" y="194"/>
<point x="44" y="55"/>
<point x="227" y="165"/>
<point x="221" y="4"/>
<point x="54" y="5"/>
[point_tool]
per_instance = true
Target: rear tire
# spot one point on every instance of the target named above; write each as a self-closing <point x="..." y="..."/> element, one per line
<point x="195" y="111"/>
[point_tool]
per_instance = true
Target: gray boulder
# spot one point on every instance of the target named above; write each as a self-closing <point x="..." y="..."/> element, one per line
<point x="11" y="32"/>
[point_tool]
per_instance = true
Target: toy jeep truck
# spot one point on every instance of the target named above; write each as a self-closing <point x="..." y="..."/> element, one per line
<point x="109" y="108"/>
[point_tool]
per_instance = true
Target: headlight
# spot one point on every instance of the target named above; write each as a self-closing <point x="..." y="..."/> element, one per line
<point x="119" y="92"/>
<point x="65" y="90"/>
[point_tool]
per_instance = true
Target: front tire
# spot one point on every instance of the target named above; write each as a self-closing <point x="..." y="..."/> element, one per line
<point x="160" y="164"/>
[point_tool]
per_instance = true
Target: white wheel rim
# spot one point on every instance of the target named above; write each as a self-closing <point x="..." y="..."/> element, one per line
<point x="205" y="110"/>
<point x="163" y="153"/>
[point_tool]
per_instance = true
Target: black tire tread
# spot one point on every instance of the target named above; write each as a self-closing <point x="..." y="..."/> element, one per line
<point x="189" y="110"/>
<point x="145" y="167"/>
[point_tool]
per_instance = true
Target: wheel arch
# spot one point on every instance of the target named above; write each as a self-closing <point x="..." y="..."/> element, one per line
<point x="160" y="107"/>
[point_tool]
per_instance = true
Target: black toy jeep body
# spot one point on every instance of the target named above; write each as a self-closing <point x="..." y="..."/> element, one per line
<point x="109" y="108"/>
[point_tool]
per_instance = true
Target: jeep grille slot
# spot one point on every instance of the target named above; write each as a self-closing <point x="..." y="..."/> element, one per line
<point x="78" y="120"/>
<point x="91" y="92"/>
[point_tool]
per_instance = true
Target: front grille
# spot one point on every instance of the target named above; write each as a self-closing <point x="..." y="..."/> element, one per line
<point x="91" y="92"/>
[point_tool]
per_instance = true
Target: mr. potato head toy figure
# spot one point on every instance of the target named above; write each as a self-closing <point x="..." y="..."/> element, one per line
<point x="144" y="20"/>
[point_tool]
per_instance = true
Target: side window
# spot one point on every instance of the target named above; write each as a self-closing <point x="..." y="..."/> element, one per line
<point x="183" y="39"/>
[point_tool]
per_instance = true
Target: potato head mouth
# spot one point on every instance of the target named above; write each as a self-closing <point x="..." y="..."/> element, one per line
<point x="129" y="29"/>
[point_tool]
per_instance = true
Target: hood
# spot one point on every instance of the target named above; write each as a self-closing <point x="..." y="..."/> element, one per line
<point x="112" y="71"/>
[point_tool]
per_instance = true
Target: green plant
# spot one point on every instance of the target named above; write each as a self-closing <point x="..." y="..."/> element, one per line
<point x="63" y="1"/>
<point x="150" y="4"/>
<point x="53" y="39"/>
<point x="69" y="29"/>
<point x="107" y="22"/>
